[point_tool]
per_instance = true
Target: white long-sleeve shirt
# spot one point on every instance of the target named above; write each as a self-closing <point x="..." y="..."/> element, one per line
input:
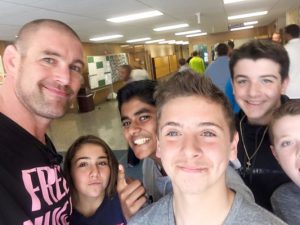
<point x="293" y="49"/>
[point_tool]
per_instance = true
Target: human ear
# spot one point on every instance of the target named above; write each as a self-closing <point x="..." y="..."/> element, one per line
<point x="274" y="152"/>
<point x="233" y="147"/>
<point x="11" y="59"/>
<point x="284" y="85"/>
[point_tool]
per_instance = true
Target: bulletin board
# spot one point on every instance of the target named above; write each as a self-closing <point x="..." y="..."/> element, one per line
<point x="116" y="60"/>
<point x="99" y="71"/>
<point x="103" y="70"/>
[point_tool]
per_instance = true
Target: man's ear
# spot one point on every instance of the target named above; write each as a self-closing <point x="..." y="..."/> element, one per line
<point x="11" y="59"/>
<point x="233" y="147"/>
<point x="157" y="148"/>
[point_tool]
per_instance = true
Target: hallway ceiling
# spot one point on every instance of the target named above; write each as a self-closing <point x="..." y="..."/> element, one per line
<point x="88" y="17"/>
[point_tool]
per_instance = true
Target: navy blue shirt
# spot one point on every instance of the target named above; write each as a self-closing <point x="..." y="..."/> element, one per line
<point x="108" y="213"/>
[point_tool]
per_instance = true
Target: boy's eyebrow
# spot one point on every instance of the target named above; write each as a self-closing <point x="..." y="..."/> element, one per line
<point x="139" y="112"/>
<point x="263" y="76"/>
<point x="201" y="124"/>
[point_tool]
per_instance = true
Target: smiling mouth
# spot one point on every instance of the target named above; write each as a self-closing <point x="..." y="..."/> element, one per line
<point x="193" y="169"/>
<point x="254" y="103"/>
<point x="141" y="141"/>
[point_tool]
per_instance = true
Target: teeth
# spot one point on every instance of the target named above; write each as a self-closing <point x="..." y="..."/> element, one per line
<point x="141" y="141"/>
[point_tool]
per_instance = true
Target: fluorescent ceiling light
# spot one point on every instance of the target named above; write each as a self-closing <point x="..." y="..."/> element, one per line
<point x="138" y="40"/>
<point x="188" y="32"/>
<point x="247" y="15"/>
<point x="102" y="38"/>
<point x="154" y="41"/>
<point x="181" y="42"/>
<point x="241" y="28"/>
<point x="171" y="27"/>
<point x="250" y="23"/>
<point x="232" y="1"/>
<point x="195" y="35"/>
<point x="167" y="42"/>
<point x="136" y="16"/>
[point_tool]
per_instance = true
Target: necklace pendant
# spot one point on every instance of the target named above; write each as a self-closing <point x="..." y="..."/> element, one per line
<point x="248" y="164"/>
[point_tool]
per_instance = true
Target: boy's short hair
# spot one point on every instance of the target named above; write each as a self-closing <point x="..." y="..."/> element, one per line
<point x="293" y="30"/>
<point x="230" y="43"/>
<point x="142" y="89"/>
<point x="290" y="108"/>
<point x="188" y="83"/>
<point x="182" y="61"/>
<point x="222" y="49"/>
<point x="258" y="49"/>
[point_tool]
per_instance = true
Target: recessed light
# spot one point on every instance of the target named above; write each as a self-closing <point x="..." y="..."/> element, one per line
<point x="247" y="15"/>
<point x="188" y="32"/>
<point x="136" y="16"/>
<point x="241" y="28"/>
<point x="102" y="38"/>
<point x="171" y="27"/>
<point x="138" y="40"/>
<point x="195" y="35"/>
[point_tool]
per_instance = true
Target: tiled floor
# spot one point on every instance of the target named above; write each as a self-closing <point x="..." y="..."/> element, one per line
<point x="104" y="122"/>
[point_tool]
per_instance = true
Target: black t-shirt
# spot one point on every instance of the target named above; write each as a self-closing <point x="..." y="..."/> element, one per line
<point x="32" y="187"/>
<point x="108" y="213"/>
<point x="265" y="174"/>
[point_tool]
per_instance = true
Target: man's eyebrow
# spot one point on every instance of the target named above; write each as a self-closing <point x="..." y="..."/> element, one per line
<point x="79" y="61"/>
<point x="49" y="52"/>
<point x="52" y="53"/>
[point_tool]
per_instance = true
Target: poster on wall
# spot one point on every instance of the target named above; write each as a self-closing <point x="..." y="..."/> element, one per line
<point x="103" y="70"/>
<point x="99" y="71"/>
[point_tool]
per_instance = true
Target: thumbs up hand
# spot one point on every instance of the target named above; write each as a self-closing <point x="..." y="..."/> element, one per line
<point x="131" y="194"/>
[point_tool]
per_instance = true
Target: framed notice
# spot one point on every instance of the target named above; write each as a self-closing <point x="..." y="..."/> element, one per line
<point x="99" y="71"/>
<point x="103" y="70"/>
